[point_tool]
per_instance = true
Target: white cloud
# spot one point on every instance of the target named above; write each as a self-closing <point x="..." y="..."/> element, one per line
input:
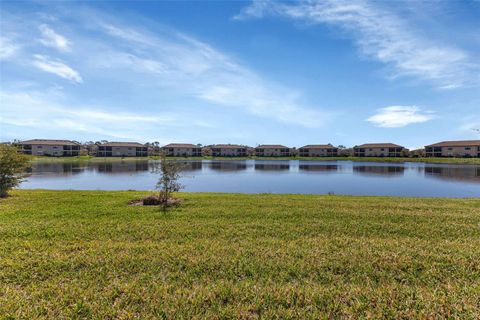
<point x="382" y="35"/>
<point x="7" y="48"/>
<point x="52" y="39"/>
<point x="48" y="111"/>
<point x="194" y="68"/>
<point x="57" y="67"/>
<point x="399" y="116"/>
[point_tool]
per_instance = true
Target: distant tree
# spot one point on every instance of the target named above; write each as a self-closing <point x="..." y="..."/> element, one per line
<point x="347" y="152"/>
<point x="156" y="149"/>
<point x="405" y="153"/>
<point x="168" y="183"/>
<point x="12" y="168"/>
<point x="206" y="152"/>
<point x="294" y="152"/>
<point x="341" y="146"/>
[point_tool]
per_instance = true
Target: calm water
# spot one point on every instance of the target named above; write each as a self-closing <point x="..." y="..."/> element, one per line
<point x="253" y="176"/>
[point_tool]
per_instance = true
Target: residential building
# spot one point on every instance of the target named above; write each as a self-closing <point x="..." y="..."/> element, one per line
<point x="318" y="150"/>
<point x="228" y="150"/>
<point x="122" y="149"/>
<point x="48" y="147"/>
<point x="465" y="148"/>
<point x="378" y="150"/>
<point x="272" y="150"/>
<point x="182" y="150"/>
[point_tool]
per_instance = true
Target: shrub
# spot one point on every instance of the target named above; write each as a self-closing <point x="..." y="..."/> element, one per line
<point x="12" y="168"/>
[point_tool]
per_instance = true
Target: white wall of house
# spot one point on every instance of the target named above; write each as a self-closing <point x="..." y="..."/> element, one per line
<point x="378" y="152"/>
<point x="229" y="152"/>
<point x="316" y="152"/>
<point x="48" y="150"/>
<point x="272" y="152"/>
<point x="184" y="152"/>
<point x="466" y="151"/>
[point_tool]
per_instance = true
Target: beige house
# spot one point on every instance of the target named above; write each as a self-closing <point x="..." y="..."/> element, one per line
<point x="272" y="150"/>
<point x="378" y="150"/>
<point x="122" y="149"/>
<point x="465" y="148"/>
<point x="54" y="148"/>
<point x="228" y="150"/>
<point x="318" y="150"/>
<point x="182" y="150"/>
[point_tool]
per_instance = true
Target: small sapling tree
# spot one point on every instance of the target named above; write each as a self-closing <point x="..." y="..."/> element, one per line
<point x="12" y="168"/>
<point x="170" y="173"/>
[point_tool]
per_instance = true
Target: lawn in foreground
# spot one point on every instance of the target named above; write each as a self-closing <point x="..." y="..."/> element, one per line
<point x="87" y="254"/>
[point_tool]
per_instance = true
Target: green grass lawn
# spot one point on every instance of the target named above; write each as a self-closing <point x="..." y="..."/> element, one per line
<point x="378" y="159"/>
<point x="87" y="254"/>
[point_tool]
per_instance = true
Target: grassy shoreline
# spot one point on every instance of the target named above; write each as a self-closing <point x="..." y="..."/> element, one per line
<point x="356" y="159"/>
<point x="87" y="254"/>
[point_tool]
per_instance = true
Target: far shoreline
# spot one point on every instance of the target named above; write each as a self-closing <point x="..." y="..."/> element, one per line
<point x="473" y="161"/>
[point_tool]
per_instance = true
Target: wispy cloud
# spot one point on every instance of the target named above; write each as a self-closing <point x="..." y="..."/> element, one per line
<point x="50" y="38"/>
<point x="399" y="116"/>
<point x="195" y="68"/>
<point x="49" y="111"/>
<point x="7" y="48"/>
<point x="383" y="35"/>
<point x="57" y="67"/>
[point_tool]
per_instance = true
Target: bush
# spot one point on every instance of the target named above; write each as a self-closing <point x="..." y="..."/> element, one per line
<point x="12" y="168"/>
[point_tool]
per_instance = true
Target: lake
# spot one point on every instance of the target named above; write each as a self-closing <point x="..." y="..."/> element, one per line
<point x="275" y="176"/>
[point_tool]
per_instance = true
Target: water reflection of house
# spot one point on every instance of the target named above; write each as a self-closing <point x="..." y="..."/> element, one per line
<point x="227" y="166"/>
<point x="52" y="168"/>
<point x="471" y="173"/>
<point x="192" y="166"/>
<point x="379" y="170"/>
<point x="122" y="167"/>
<point x="272" y="166"/>
<point x="318" y="167"/>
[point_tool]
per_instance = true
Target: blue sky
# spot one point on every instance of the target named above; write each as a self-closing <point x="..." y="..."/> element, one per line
<point x="256" y="72"/>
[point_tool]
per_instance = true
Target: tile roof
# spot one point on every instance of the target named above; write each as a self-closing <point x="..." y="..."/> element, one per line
<point x="50" y="142"/>
<point x="180" y="145"/>
<point x="228" y="146"/>
<point x="122" y="144"/>
<point x="318" y="146"/>
<point x="458" y="143"/>
<point x="271" y="146"/>
<point x="379" y="145"/>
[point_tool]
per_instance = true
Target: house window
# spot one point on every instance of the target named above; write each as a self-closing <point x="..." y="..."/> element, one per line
<point x="450" y="148"/>
<point x="467" y="148"/>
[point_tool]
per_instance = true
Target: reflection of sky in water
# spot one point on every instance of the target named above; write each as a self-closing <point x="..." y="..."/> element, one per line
<point x="249" y="176"/>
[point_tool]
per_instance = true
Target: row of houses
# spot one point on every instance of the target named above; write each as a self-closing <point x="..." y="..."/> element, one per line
<point x="58" y="148"/>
